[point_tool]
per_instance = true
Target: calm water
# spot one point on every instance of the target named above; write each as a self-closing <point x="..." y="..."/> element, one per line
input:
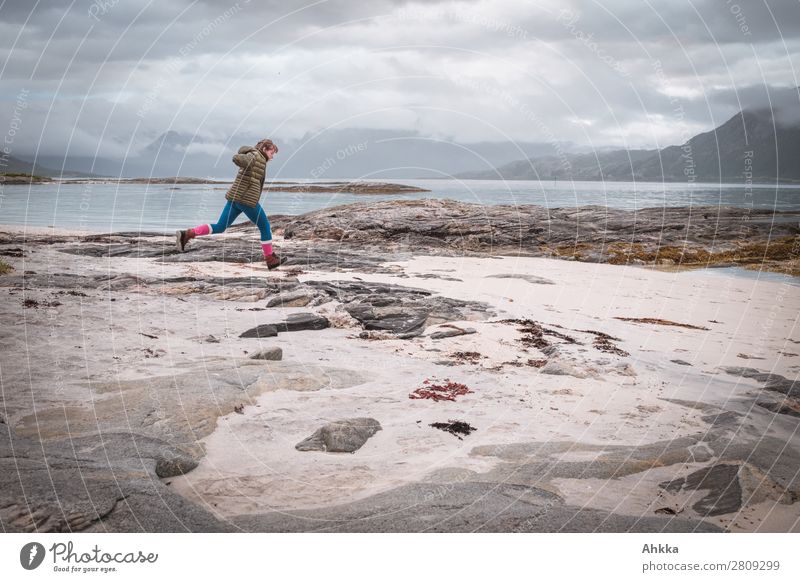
<point x="742" y="273"/>
<point x="162" y="208"/>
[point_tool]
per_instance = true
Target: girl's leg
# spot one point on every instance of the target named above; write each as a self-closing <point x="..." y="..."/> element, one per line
<point x="229" y="214"/>
<point x="257" y="215"/>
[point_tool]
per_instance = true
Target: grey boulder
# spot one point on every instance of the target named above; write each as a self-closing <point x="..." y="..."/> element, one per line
<point x="273" y="353"/>
<point x="303" y="321"/>
<point x="341" y="436"/>
<point x="264" y="330"/>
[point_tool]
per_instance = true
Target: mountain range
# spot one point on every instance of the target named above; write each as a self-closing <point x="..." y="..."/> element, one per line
<point x="758" y="145"/>
<point x="342" y="153"/>
<point x="753" y="144"/>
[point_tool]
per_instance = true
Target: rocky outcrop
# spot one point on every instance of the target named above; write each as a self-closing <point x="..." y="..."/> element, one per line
<point x="459" y="224"/>
<point x="728" y="487"/>
<point x="342" y="187"/>
<point x="100" y="483"/>
<point x="364" y="236"/>
<point x="779" y="394"/>
<point x="69" y="468"/>
<point x="404" y="311"/>
<point x="677" y="235"/>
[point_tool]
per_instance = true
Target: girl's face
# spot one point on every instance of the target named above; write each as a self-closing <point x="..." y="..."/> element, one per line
<point x="270" y="153"/>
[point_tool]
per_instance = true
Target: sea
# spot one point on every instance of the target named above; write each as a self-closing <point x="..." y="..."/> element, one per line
<point x="105" y="207"/>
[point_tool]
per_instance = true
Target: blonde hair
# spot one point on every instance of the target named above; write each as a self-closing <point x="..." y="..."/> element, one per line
<point x="266" y="144"/>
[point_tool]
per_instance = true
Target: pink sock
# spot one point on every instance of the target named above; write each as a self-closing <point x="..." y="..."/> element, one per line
<point x="202" y="230"/>
<point x="267" y="248"/>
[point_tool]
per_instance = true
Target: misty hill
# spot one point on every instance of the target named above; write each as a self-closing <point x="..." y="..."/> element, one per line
<point x="17" y="166"/>
<point x="343" y="153"/>
<point x="760" y="142"/>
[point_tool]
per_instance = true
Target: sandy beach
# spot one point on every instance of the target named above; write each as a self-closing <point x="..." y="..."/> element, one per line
<point x="603" y="397"/>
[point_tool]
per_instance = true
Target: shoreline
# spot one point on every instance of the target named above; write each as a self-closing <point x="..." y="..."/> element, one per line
<point x="722" y="269"/>
<point x="196" y="180"/>
<point x="364" y="187"/>
<point x="668" y="238"/>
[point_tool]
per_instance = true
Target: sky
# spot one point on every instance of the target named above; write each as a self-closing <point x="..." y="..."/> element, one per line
<point x="107" y="77"/>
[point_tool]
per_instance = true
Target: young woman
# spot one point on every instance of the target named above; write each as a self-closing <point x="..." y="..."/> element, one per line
<point x="243" y="196"/>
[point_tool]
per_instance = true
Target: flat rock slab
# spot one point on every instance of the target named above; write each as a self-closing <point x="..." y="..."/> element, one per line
<point x="407" y="324"/>
<point x="773" y="382"/>
<point x="264" y="330"/>
<point x="558" y="368"/>
<point x="452" y="331"/>
<point x="463" y="507"/>
<point x="728" y="418"/>
<point x="789" y="407"/>
<point x="99" y="483"/>
<point x="341" y="436"/>
<point x="721" y="481"/>
<point x="214" y="389"/>
<point x="295" y="298"/>
<point x="302" y="322"/>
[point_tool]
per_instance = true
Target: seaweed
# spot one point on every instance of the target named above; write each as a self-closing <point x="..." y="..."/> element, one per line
<point x="455" y="428"/>
<point x="433" y="391"/>
<point x="657" y="321"/>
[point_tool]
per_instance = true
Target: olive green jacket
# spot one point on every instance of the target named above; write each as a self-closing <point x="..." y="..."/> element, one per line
<point x="246" y="188"/>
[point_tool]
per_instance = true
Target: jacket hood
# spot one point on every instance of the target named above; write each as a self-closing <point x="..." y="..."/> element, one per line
<point x="246" y="149"/>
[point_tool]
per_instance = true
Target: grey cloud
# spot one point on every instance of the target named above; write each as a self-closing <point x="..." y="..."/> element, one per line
<point x="783" y="101"/>
<point x="221" y="68"/>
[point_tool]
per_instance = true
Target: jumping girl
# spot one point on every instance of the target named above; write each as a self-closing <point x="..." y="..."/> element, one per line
<point x="243" y="196"/>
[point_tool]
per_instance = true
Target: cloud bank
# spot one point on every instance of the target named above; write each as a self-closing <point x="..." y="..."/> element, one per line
<point x="107" y="77"/>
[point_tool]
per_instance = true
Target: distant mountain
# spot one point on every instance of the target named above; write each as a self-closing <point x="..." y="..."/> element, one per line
<point x="751" y="141"/>
<point x="608" y="165"/>
<point x="343" y="153"/>
<point x="757" y="142"/>
<point x="388" y="154"/>
<point x="16" y="165"/>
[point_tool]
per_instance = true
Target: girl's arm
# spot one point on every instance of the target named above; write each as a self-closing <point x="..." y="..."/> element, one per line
<point x="243" y="160"/>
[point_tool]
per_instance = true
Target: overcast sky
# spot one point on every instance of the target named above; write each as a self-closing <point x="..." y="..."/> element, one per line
<point x="111" y="75"/>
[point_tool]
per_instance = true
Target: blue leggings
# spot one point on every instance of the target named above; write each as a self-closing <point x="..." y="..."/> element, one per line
<point x="255" y="213"/>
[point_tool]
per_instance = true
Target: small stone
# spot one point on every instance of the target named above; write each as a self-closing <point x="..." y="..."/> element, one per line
<point x="549" y="350"/>
<point x="175" y="466"/>
<point x="376" y="335"/>
<point x="273" y="353"/>
<point x="451" y="331"/>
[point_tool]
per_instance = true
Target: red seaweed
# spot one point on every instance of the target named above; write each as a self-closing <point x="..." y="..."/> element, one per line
<point x="432" y="390"/>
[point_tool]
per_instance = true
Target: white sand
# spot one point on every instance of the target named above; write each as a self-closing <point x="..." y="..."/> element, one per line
<point x="252" y="466"/>
<point x="251" y="463"/>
